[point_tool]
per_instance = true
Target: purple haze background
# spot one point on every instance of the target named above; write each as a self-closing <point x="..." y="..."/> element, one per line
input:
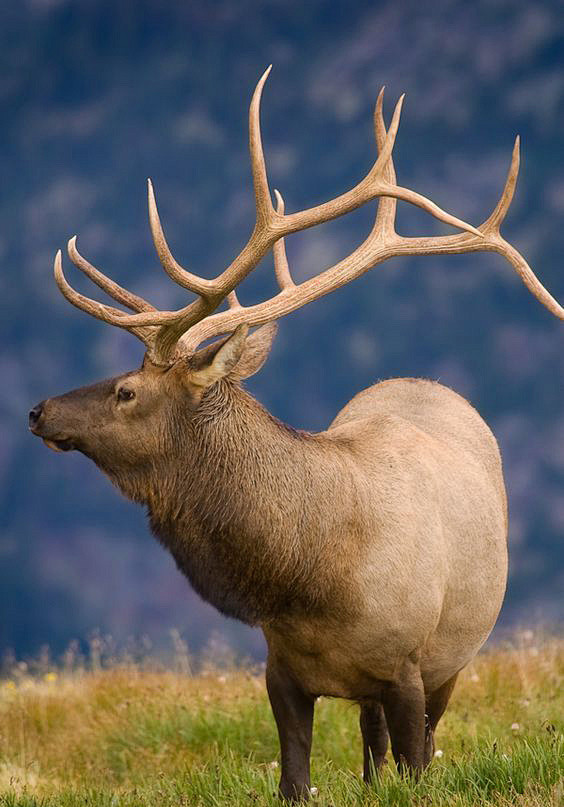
<point x="96" y="96"/>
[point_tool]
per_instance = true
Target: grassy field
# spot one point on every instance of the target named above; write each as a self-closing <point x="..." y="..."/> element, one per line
<point x="133" y="737"/>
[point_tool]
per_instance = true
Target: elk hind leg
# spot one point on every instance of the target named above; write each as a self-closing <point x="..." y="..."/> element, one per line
<point x="404" y="707"/>
<point x="436" y="704"/>
<point x="374" y="737"/>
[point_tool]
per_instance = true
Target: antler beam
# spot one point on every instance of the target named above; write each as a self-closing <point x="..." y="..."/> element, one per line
<point x="162" y="330"/>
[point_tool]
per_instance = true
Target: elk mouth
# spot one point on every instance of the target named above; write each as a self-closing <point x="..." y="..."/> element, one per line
<point x="38" y="427"/>
<point x="59" y="445"/>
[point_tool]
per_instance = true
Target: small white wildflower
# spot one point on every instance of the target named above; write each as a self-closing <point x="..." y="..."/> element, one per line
<point x="474" y="678"/>
<point x="438" y="753"/>
<point x="221" y="679"/>
<point x="515" y="727"/>
<point x="313" y="791"/>
<point x="273" y="765"/>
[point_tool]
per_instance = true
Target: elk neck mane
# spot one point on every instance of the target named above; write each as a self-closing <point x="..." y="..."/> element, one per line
<point x="239" y="502"/>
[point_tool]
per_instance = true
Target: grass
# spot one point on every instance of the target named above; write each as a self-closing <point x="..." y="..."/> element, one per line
<point x="135" y="737"/>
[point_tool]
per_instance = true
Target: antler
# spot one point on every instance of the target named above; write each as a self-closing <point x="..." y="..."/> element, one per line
<point x="168" y="333"/>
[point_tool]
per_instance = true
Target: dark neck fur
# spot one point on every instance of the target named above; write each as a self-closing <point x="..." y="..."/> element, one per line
<point x="237" y="507"/>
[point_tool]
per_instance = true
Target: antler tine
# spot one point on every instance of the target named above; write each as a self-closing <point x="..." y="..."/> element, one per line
<point x="187" y="280"/>
<point x="266" y="230"/>
<point x="492" y="228"/>
<point x="370" y="187"/>
<point x="498" y="215"/>
<point x="281" y="268"/>
<point x="271" y="225"/>
<point x="212" y="292"/>
<point x="380" y="245"/>
<point x="101" y="311"/>
<point x="385" y="140"/>
<point x="430" y="207"/>
<point x="396" y="191"/>
<point x="492" y="241"/>
<point x="233" y="300"/>
<point x="265" y="211"/>
<point x="386" y="215"/>
<point x="112" y="288"/>
<point x="113" y="316"/>
<point x="385" y="145"/>
<point x="528" y="277"/>
<point x="373" y="185"/>
<point x="162" y="330"/>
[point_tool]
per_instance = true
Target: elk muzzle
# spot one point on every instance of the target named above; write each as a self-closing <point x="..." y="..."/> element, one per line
<point x="35" y="415"/>
<point x="40" y="425"/>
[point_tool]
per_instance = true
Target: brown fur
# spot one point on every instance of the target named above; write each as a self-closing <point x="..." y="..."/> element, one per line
<point x="373" y="555"/>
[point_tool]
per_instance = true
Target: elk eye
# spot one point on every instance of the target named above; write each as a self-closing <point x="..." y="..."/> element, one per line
<point x="125" y="394"/>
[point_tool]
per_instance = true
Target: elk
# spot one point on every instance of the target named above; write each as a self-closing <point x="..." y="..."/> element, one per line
<point x="372" y="555"/>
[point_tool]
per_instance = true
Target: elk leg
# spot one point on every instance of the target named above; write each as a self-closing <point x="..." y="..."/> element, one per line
<point x="293" y="713"/>
<point x="404" y="707"/>
<point x="374" y="738"/>
<point x="436" y="705"/>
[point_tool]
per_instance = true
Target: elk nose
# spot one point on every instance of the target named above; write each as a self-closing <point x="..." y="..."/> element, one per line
<point x="35" y="414"/>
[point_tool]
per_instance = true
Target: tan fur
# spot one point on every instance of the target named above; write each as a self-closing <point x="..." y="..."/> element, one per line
<point x="379" y="540"/>
<point x="427" y="541"/>
<point x="373" y="555"/>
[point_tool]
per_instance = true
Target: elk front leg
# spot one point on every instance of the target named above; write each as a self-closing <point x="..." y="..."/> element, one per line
<point x="374" y="738"/>
<point x="293" y="712"/>
<point x="404" y="707"/>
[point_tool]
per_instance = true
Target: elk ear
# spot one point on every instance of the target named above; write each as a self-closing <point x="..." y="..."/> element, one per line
<point x="255" y="353"/>
<point x="218" y="360"/>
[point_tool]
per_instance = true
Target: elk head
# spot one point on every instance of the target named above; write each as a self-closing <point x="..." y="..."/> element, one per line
<point x="140" y="422"/>
<point x="133" y="420"/>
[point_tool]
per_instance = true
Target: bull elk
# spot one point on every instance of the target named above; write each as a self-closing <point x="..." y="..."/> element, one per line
<point x="372" y="555"/>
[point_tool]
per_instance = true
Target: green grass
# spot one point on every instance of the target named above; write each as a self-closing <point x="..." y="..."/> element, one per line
<point x="131" y="737"/>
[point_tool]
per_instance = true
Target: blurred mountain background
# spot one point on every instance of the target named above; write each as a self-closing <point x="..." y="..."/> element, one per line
<point x="97" y="95"/>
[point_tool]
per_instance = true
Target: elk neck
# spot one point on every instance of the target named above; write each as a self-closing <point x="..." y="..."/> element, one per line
<point x="243" y="508"/>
